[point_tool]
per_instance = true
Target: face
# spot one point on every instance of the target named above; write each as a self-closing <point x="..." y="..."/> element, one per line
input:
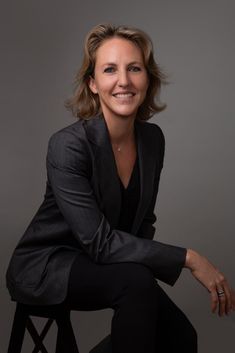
<point x="120" y="78"/>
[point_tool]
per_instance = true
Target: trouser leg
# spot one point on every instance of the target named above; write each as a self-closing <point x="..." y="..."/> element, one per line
<point x="134" y="323"/>
<point x="139" y="305"/>
<point x="175" y="332"/>
<point x="65" y="336"/>
<point x="127" y="288"/>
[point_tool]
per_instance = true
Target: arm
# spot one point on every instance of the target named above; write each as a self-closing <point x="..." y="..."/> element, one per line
<point x="68" y="173"/>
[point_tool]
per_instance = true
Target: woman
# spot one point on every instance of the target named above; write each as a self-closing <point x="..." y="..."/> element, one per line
<point x="90" y="245"/>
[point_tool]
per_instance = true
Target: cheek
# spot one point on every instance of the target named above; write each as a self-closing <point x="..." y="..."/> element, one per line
<point x="146" y="83"/>
<point x="143" y="84"/>
<point x="105" y="86"/>
<point x="144" y="88"/>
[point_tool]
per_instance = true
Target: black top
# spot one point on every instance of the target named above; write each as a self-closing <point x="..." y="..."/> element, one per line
<point x="130" y="199"/>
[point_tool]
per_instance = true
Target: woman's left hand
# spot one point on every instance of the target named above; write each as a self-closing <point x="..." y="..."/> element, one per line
<point x="222" y="295"/>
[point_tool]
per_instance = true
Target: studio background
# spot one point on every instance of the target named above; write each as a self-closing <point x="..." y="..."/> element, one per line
<point x="41" y="49"/>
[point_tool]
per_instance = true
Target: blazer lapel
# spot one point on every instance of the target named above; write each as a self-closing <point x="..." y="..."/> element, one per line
<point x="147" y="164"/>
<point x="105" y="177"/>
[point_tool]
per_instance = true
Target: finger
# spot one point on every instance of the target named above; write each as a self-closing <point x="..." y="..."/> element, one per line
<point x="222" y="301"/>
<point x="222" y="305"/>
<point x="214" y="300"/>
<point x="233" y="298"/>
<point x="228" y="294"/>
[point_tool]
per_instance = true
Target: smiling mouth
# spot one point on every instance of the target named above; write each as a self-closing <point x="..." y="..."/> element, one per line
<point x="124" y="95"/>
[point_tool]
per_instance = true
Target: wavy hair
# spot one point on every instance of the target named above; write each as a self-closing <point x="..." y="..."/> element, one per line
<point x="84" y="103"/>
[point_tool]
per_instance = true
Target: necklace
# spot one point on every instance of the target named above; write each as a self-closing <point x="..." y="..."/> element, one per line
<point x="118" y="147"/>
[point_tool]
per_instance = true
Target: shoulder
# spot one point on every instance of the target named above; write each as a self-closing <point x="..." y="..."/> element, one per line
<point x="152" y="131"/>
<point x="68" y="133"/>
<point x="67" y="147"/>
<point x="154" y="137"/>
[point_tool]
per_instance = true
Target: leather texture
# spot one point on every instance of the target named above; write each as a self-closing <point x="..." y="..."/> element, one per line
<point x="80" y="212"/>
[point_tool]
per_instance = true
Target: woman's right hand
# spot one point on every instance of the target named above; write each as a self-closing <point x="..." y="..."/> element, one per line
<point x="213" y="280"/>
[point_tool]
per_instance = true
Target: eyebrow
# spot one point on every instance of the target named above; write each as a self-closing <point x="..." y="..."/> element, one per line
<point x="131" y="63"/>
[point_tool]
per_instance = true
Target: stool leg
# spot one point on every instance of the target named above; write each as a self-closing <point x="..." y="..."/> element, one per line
<point x="38" y="338"/>
<point x="66" y="340"/>
<point x="18" y="330"/>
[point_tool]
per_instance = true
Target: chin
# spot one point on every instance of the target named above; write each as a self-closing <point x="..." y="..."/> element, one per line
<point x="126" y="112"/>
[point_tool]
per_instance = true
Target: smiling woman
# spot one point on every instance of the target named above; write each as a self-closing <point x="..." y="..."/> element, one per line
<point x="90" y="245"/>
<point x="84" y="104"/>
<point x="120" y="78"/>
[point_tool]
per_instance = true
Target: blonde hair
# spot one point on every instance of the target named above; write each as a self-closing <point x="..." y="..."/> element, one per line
<point x="84" y="103"/>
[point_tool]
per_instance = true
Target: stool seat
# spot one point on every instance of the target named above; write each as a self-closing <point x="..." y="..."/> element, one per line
<point x="22" y="320"/>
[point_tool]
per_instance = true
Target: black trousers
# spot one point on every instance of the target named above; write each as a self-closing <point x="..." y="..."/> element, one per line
<point x="145" y="319"/>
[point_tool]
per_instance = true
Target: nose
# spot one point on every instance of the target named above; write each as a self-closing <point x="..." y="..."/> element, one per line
<point x="123" y="78"/>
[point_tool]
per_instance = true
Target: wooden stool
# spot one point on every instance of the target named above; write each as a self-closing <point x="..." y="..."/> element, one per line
<point x="65" y="341"/>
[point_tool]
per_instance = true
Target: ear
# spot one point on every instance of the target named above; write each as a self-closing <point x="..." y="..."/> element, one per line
<point x="92" y="85"/>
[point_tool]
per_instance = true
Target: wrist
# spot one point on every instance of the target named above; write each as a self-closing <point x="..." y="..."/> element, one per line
<point x="190" y="258"/>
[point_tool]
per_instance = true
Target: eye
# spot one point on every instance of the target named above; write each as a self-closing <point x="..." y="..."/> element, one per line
<point x="109" y="69"/>
<point x="134" y="68"/>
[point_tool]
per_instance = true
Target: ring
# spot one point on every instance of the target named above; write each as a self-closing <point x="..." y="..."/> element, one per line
<point x="220" y="293"/>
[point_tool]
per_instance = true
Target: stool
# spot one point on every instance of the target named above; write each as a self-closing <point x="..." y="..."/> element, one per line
<point x="65" y="340"/>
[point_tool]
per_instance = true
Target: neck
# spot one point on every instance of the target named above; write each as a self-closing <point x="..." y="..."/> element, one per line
<point x="121" y="130"/>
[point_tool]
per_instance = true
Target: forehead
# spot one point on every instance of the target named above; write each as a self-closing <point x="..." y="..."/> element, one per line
<point x="118" y="49"/>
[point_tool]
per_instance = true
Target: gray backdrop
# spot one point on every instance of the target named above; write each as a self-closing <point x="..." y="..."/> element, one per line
<point x="41" y="46"/>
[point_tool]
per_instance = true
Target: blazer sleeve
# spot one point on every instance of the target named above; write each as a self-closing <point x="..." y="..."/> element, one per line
<point x="69" y="168"/>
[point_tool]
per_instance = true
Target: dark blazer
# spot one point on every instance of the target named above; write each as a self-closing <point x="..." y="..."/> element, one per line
<point x="80" y="213"/>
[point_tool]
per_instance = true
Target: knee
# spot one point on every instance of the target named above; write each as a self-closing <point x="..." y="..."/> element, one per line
<point x="138" y="278"/>
<point x="134" y="288"/>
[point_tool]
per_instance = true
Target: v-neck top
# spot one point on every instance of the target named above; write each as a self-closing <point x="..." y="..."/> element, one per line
<point x="130" y="199"/>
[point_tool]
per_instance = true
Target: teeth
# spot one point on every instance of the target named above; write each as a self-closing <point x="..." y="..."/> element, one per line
<point x="123" y="95"/>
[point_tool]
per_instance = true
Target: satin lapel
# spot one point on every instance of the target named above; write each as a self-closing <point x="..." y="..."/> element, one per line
<point x="105" y="171"/>
<point x="147" y="166"/>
